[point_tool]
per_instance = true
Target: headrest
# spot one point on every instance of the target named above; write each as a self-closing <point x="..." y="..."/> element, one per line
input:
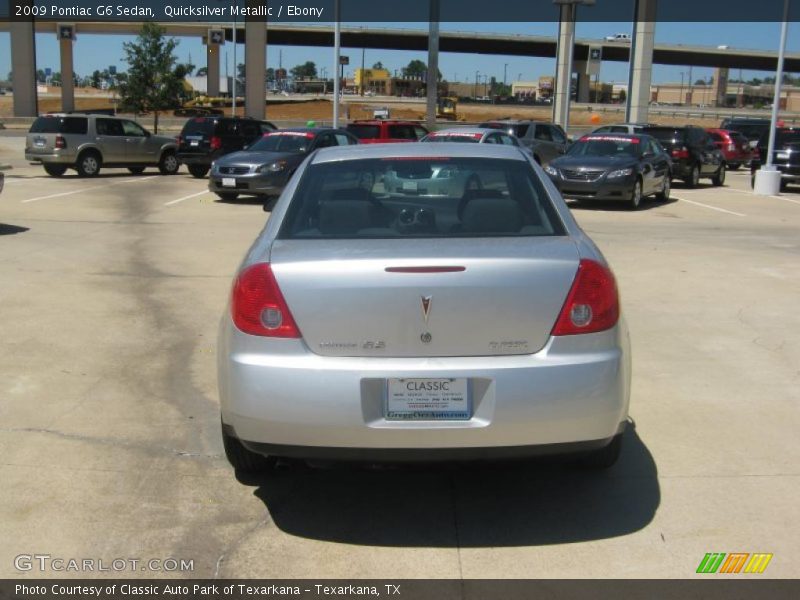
<point x="470" y="195"/>
<point x="355" y="194"/>
<point x="492" y="215"/>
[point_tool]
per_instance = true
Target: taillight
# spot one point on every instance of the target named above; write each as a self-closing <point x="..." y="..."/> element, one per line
<point x="61" y="143"/>
<point x="682" y="152"/>
<point x="592" y="304"/>
<point x="258" y="306"/>
<point x="216" y="142"/>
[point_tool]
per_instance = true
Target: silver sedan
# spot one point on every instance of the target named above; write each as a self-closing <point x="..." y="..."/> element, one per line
<point x="379" y="318"/>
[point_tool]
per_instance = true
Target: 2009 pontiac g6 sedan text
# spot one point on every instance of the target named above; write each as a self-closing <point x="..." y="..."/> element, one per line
<point x="422" y="302"/>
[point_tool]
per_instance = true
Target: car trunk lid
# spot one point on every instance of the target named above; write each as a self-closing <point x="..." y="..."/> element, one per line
<point x="429" y="298"/>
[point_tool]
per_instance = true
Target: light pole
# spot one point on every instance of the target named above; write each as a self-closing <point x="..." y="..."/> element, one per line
<point x="477" y="74"/>
<point x="505" y="70"/>
<point x="337" y="34"/>
<point x="768" y="178"/>
<point x="235" y="69"/>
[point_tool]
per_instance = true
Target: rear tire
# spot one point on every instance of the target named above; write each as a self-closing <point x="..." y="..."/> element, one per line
<point x="55" y="170"/>
<point x="663" y="195"/>
<point x="719" y="178"/>
<point x="694" y="177"/>
<point x="242" y="459"/>
<point x="89" y="164"/>
<point x="198" y="171"/>
<point x="227" y="196"/>
<point x="136" y="170"/>
<point x="169" y="163"/>
<point x="604" y="458"/>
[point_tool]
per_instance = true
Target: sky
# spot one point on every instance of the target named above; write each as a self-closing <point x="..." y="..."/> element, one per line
<point x="100" y="51"/>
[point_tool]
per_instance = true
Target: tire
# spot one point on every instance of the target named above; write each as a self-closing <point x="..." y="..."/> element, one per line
<point x="604" y="458"/>
<point x="89" y="164"/>
<point x="242" y="459"/>
<point x="55" y="170"/>
<point x="663" y="195"/>
<point x="734" y="167"/>
<point x="694" y="177"/>
<point x="169" y="163"/>
<point x="227" y="196"/>
<point x="198" y="171"/>
<point x="719" y="178"/>
<point x="136" y="170"/>
<point x="636" y="195"/>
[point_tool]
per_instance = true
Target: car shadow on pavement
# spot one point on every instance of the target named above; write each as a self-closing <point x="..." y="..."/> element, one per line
<point x="474" y="505"/>
<point x="6" y="229"/>
<point x="611" y="206"/>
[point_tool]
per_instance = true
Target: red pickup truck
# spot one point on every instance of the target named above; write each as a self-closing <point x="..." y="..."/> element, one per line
<point x="384" y="131"/>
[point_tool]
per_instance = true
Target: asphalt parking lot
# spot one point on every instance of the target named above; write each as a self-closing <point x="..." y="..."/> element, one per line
<point x="111" y="291"/>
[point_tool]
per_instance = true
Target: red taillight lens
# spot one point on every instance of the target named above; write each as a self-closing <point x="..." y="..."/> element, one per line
<point x="61" y="143"/>
<point x="592" y="304"/>
<point x="258" y="306"/>
<point x="216" y="142"/>
<point x="680" y="152"/>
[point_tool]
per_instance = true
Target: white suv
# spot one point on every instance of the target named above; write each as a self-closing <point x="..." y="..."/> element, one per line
<point x="625" y="38"/>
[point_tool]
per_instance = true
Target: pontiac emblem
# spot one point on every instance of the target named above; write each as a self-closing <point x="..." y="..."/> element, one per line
<point x="426" y="306"/>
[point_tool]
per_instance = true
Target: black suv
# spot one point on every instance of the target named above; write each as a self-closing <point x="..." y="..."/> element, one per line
<point x="785" y="156"/>
<point x="752" y="129"/>
<point x="693" y="152"/>
<point x="205" y="139"/>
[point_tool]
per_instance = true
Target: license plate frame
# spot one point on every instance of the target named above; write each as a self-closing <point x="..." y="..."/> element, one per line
<point x="229" y="182"/>
<point x="428" y="399"/>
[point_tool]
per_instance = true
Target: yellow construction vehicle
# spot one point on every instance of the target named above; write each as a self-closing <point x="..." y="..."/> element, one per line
<point x="203" y="106"/>
<point x="447" y="108"/>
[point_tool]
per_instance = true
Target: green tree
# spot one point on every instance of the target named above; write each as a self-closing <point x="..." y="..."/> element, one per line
<point x="378" y="65"/>
<point x="202" y="72"/>
<point x="270" y="74"/>
<point x="307" y="70"/>
<point x="151" y="84"/>
<point x="416" y="68"/>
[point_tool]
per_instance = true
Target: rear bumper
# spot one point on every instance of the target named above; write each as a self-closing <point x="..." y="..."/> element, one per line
<point x="204" y="160"/>
<point x="59" y="158"/>
<point x="570" y="396"/>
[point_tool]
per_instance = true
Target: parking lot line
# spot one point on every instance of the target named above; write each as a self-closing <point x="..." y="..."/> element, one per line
<point x="723" y="210"/>
<point x="171" y="202"/>
<point x="749" y="193"/>
<point x="59" y="194"/>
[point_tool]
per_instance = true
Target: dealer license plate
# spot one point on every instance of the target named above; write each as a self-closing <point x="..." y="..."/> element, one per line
<point x="428" y="399"/>
<point x="228" y="182"/>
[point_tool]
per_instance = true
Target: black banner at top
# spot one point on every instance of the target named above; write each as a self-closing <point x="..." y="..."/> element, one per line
<point x="388" y="11"/>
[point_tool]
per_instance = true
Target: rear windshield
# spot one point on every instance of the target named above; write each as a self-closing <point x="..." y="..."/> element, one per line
<point x="364" y="132"/>
<point x="284" y="141"/>
<point x="752" y="131"/>
<point x="787" y="136"/>
<point x="606" y="145"/>
<point x="420" y="198"/>
<point x="77" y="125"/>
<point x="665" y="134"/>
<point x="199" y="126"/>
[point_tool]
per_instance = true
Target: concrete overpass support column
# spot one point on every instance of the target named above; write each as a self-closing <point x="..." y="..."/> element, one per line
<point x="67" y="80"/>
<point x="212" y="64"/>
<point x="566" y="38"/>
<point x="433" y="64"/>
<point x="584" y="82"/>
<point x="641" y="62"/>
<point x="23" y="66"/>
<point x="255" y="70"/>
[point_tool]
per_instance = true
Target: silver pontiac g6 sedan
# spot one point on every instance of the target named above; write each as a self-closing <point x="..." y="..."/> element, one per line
<point x="412" y="302"/>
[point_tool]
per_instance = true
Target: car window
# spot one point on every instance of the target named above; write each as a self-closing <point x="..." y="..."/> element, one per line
<point x="402" y="132"/>
<point x="655" y="148"/>
<point x="199" y="126"/>
<point x="453" y="136"/>
<point x="520" y="129"/>
<point x="342" y="139"/>
<point x="249" y="129"/>
<point x="266" y="126"/>
<point x="51" y="124"/>
<point x="420" y="132"/>
<point x="716" y="136"/>
<point x="606" y="145"/>
<point x="508" y="140"/>
<point x="426" y="197"/>
<point x="543" y="133"/>
<point x="492" y="138"/>
<point x="617" y="129"/>
<point x="364" y="131"/>
<point x="325" y="140"/>
<point x="132" y="129"/>
<point x="110" y="127"/>
<point x="557" y="135"/>
<point x="226" y="127"/>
